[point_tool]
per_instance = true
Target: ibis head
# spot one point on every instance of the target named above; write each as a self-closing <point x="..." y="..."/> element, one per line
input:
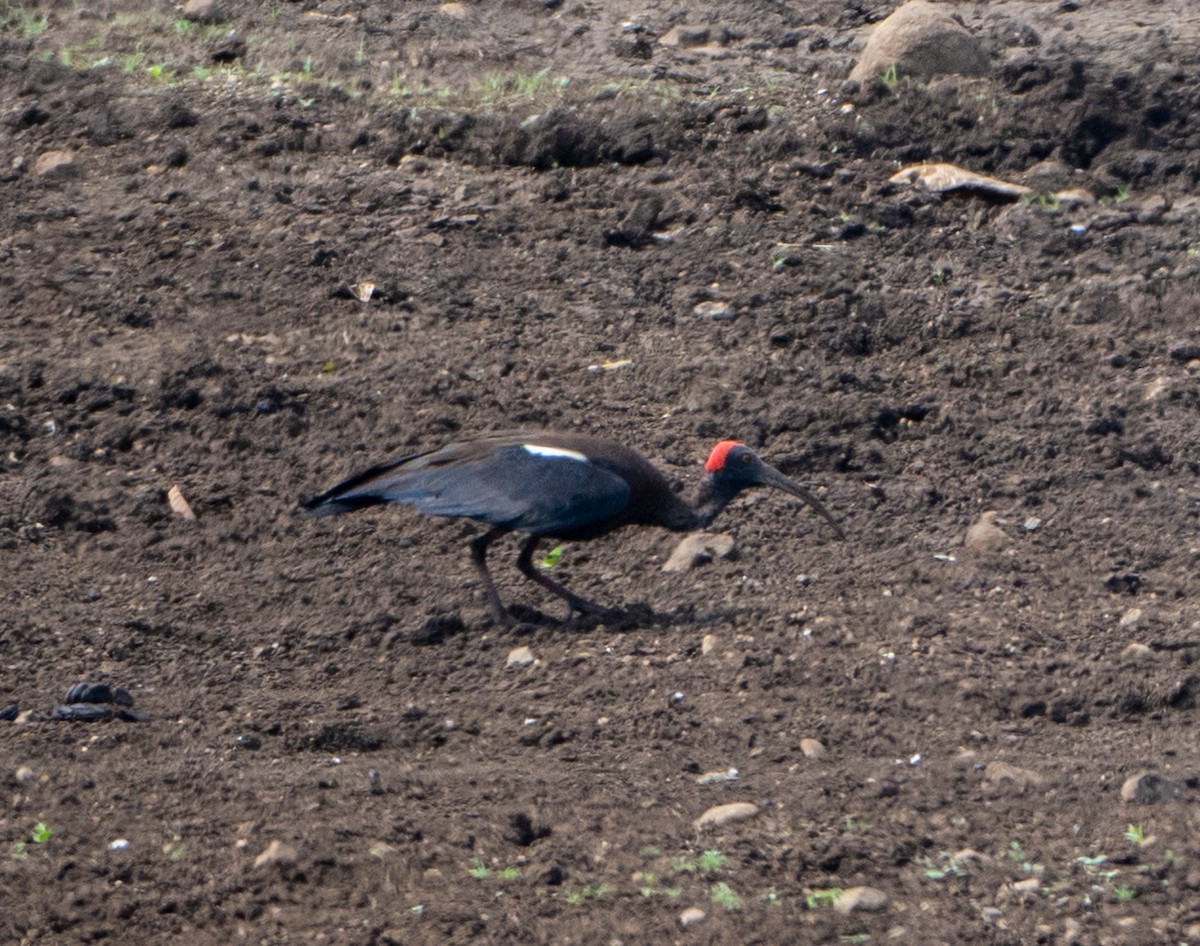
<point x="553" y="485"/>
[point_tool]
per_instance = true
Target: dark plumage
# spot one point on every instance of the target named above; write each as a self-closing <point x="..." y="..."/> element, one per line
<point x="552" y="485"/>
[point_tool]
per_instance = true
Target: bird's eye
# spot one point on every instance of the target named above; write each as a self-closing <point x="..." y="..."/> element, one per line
<point x="747" y="458"/>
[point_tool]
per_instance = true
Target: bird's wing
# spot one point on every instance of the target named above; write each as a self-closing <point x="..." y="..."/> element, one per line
<point x="519" y="486"/>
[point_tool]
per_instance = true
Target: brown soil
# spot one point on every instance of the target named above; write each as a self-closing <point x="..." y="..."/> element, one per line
<point x="535" y="189"/>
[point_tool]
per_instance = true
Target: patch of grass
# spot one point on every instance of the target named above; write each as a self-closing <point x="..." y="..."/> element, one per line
<point x="16" y="19"/>
<point x="1124" y="894"/>
<point x="723" y="896"/>
<point x="590" y="892"/>
<point x="41" y="833"/>
<point x="18" y="851"/>
<point x="816" y="899"/>
<point x="480" y="871"/>
<point x="890" y="76"/>
<point x="1135" y="834"/>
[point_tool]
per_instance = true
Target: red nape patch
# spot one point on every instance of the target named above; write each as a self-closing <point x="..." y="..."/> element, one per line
<point x="716" y="459"/>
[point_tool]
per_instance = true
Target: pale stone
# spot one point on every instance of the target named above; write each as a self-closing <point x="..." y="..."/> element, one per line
<point x="921" y="41"/>
<point x="277" y="853"/>
<point x="720" y="815"/>
<point x="985" y="535"/>
<point x="691" y="916"/>
<point x="861" y="898"/>
<point x="812" y="748"/>
<point x="519" y="657"/>
<point x="54" y="164"/>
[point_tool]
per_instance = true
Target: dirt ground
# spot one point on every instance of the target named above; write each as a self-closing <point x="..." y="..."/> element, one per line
<point x="247" y="259"/>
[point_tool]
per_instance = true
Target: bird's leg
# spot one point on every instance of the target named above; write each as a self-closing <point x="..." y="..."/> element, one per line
<point x="479" y="547"/>
<point x="530" y="571"/>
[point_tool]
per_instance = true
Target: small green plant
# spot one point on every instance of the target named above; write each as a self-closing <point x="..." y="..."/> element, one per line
<point x="16" y="19"/>
<point x="18" y="851"/>
<point x="158" y="71"/>
<point x="723" y="896"/>
<point x="1124" y="894"/>
<point x="939" y="277"/>
<point x="890" y="76"/>
<point x="1135" y="834"/>
<point x="480" y="871"/>
<point x="590" y="892"/>
<point x="816" y="899"/>
<point x="552" y="557"/>
<point x="948" y="867"/>
<point x="41" y="833"/>
<point x="710" y="862"/>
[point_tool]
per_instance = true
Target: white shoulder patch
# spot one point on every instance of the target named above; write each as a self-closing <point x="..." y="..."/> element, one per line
<point x="537" y="451"/>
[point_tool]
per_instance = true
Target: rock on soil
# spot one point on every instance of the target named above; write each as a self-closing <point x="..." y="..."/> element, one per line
<point x="921" y="40"/>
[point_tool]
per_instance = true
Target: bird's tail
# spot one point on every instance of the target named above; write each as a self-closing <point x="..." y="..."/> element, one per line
<point x="360" y="491"/>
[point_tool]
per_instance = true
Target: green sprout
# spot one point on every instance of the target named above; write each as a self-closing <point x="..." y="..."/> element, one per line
<point x="1135" y="834"/>
<point x="18" y="852"/>
<point x="723" y="896"/>
<point x="480" y="871"/>
<point x="1124" y="894"/>
<point x="590" y="892"/>
<point x="711" y="861"/>
<point x="890" y="76"/>
<point x="552" y="557"/>
<point x="41" y="833"/>
<point x="815" y="899"/>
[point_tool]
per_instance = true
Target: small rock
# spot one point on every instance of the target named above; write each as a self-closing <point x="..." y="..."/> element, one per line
<point x="277" y="853"/>
<point x="204" y="11"/>
<point x="862" y="899"/>
<point x="812" y="748"/>
<point x="1139" y="653"/>
<point x="714" y="309"/>
<point x="686" y="36"/>
<point x="1148" y="788"/>
<point x="712" y="778"/>
<point x="1130" y="617"/>
<point x="179" y="504"/>
<point x="720" y="815"/>
<point x="54" y="164"/>
<point x="10" y="712"/>
<point x="1003" y="778"/>
<point x="519" y="657"/>
<point x="921" y="41"/>
<point x="985" y="535"/>
<point x="699" y="548"/>
<point x="25" y="774"/>
<point x="708" y="644"/>
<point x="691" y="916"/>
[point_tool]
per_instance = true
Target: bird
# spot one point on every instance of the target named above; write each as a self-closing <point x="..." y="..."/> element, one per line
<point x="548" y="485"/>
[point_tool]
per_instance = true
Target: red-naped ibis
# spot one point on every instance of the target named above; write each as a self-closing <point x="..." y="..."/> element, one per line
<point x="553" y="485"/>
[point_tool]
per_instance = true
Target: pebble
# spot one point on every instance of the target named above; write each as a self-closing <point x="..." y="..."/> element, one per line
<point x="1141" y="653"/>
<point x="1148" y="788"/>
<point x="714" y="309"/>
<point x="921" y="41"/>
<point x="204" y="11"/>
<point x="54" y="164"/>
<point x="1130" y="618"/>
<point x="720" y="815"/>
<point x="985" y="535"/>
<point x="710" y="778"/>
<point x="691" y="916"/>
<point x="708" y="644"/>
<point x="25" y="774"/>
<point x="519" y="657"/>
<point x="277" y="853"/>
<point x="862" y="899"/>
<point x="1003" y="778"/>
<point x="699" y="548"/>
<point x="812" y="748"/>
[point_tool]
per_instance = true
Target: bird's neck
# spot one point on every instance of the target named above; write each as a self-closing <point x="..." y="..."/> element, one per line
<point x="708" y="504"/>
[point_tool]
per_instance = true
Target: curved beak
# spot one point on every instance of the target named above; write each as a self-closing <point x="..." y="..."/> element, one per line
<point x="772" y="477"/>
